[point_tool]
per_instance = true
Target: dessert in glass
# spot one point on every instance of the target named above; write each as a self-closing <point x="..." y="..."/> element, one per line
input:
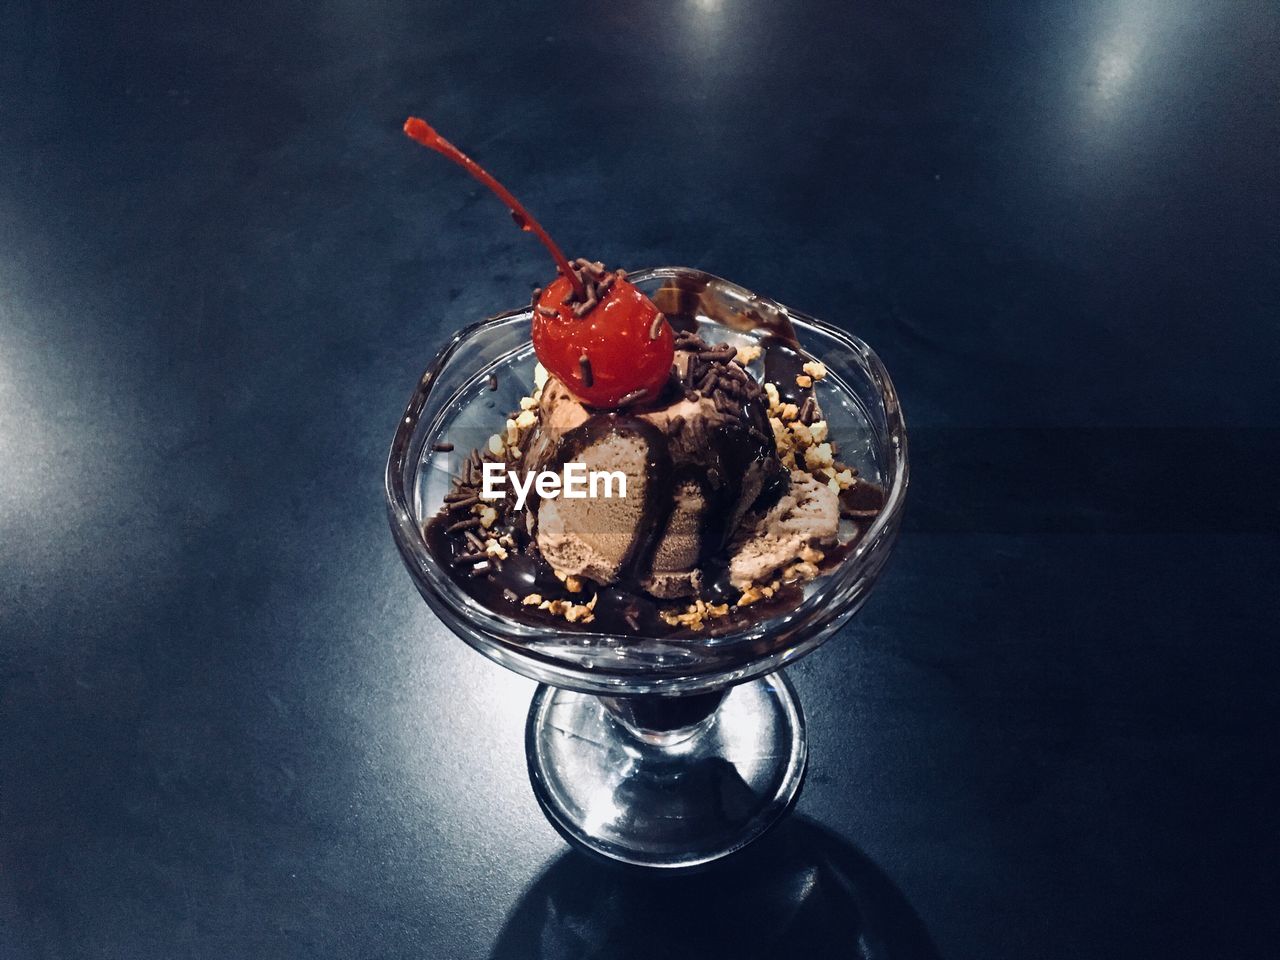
<point x="649" y="492"/>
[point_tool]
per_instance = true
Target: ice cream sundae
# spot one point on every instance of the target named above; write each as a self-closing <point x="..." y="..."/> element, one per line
<point x="649" y="482"/>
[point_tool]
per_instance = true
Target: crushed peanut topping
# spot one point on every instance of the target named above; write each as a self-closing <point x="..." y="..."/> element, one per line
<point x="573" y="612"/>
<point x="801" y="571"/>
<point x="815" y="369"/>
<point x="818" y="456"/>
<point x="695" y="614"/>
<point x="755" y="592"/>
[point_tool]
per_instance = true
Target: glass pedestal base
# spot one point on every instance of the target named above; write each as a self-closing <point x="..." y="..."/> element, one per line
<point x="682" y="798"/>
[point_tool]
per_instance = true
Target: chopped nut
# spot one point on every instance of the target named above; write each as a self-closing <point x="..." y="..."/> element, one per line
<point x="771" y="391"/>
<point x="496" y="446"/>
<point x="819" y="430"/>
<point x="748" y="354"/>
<point x="790" y="411"/>
<point x="526" y="419"/>
<point x="779" y="430"/>
<point x="801" y="571"/>
<point x="540" y="376"/>
<point x="527" y="403"/>
<point x="573" y="584"/>
<point x="815" y="369"/>
<point x="804" y="381"/>
<point x="811" y="555"/>
<point x="818" y="456"/>
<point x="573" y="612"/>
<point x="488" y="516"/>
<point x="694" y="615"/>
<point x="495" y="549"/>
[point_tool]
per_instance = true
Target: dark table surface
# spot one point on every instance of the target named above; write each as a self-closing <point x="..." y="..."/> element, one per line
<point x="230" y="728"/>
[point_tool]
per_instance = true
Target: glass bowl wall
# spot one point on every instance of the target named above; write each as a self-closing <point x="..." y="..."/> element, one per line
<point x="454" y="400"/>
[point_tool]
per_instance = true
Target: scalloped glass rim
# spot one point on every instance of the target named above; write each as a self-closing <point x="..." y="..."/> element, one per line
<point x="598" y="662"/>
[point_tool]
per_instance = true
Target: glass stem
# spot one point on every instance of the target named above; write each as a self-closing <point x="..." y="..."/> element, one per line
<point x="663" y="721"/>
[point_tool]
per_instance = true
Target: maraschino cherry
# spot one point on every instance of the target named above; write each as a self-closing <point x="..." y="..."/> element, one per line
<point x="599" y="335"/>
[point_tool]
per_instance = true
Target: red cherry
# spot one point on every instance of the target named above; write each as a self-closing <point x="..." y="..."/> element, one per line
<point x="620" y="350"/>
<point x="627" y="345"/>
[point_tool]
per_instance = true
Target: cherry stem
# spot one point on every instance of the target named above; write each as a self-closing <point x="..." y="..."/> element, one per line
<point x="426" y="135"/>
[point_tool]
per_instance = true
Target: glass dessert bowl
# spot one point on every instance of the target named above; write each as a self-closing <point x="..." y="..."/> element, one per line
<point x="656" y="747"/>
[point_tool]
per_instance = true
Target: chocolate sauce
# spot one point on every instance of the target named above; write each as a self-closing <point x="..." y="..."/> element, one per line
<point x="782" y="364"/>
<point x="863" y="501"/>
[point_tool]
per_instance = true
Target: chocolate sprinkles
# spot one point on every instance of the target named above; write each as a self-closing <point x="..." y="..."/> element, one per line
<point x="690" y="341"/>
<point x="442" y="446"/>
<point x="655" y="328"/>
<point x="584" y="365"/>
<point x="589" y="284"/>
<point x="721" y="354"/>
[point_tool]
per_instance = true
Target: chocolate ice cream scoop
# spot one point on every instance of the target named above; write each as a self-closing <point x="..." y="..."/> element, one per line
<point x="695" y="465"/>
